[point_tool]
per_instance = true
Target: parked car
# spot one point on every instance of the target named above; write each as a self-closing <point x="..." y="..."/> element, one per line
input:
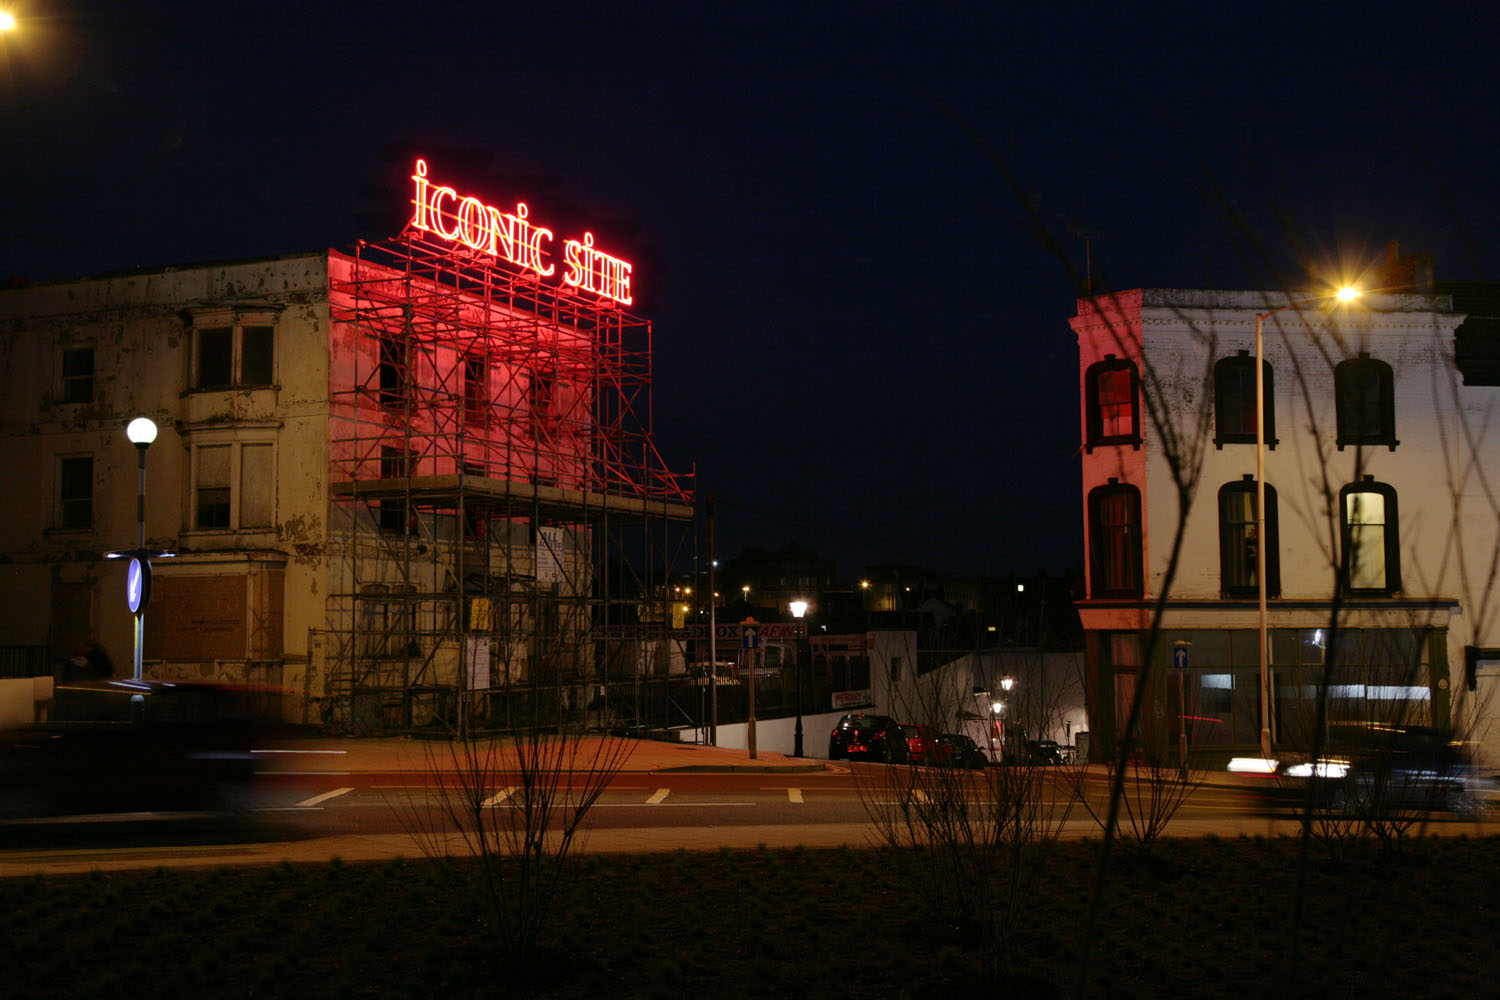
<point x="1044" y="752"/>
<point x="871" y="737"/>
<point x="958" y="750"/>
<point x="920" y="742"/>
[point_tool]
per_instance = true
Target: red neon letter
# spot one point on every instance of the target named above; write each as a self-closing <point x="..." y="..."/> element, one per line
<point x="420" y="200"/>
<point x="534" y="252"/>
<point x="473" y="225"/>
<point x="438" y="194"/>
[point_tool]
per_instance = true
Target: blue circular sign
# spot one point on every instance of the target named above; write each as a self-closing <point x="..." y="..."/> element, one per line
<point x="138" y="585"/>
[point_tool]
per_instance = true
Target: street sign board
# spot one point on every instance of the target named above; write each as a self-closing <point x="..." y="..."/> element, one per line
<point x="1180" y="656"/>
<point x="749" y="637"/>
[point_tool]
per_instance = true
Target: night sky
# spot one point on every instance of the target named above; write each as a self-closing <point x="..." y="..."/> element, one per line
<point x="858" y="229"/>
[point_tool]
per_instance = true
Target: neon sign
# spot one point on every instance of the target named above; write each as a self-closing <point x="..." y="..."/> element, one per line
<point x="440" y="210"/>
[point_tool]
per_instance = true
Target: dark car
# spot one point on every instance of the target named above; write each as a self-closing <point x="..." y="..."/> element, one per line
<point x="920" y="743"/>
<point x="186" y="747"/>
<point x="869" y="737"/>
<point x="958" y="750"/>
<point x="1044" y="752"/>
<point x="1375" y="770"/>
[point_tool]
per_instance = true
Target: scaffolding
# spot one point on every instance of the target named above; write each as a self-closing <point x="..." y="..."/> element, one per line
<point x="503" y="523"/>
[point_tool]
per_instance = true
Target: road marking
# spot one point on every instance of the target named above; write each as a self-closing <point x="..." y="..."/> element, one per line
<point x="661" y="793"/>
<point x="498" y="797"/>
<point x="920" y="795"/>
<point x="324" y="797"/>
<point x="794" y="794"/>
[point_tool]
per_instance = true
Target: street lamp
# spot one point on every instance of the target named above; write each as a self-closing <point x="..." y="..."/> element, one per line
<point x="798" y="608"/>
<point x="1346" y="294"/>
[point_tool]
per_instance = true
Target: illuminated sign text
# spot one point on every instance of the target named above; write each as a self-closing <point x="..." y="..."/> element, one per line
<point x="442" y="211"/>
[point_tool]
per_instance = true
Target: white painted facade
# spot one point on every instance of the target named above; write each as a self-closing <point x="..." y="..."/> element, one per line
<point x="1443" y="470"/>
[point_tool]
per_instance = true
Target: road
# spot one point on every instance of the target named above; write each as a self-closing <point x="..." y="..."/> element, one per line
<point x="367" y="815"/>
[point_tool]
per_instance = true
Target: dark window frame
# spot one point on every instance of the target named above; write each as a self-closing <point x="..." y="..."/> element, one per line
<point x="1235" y="375"/>
<point x="77" y="368"/>
<point x="394" y="516"/>
<point x="393" y="372"/>
<point x="1101" y="572"/>
<point x="1094" y="407"/>
<point x="245" y="345"/>
<point x="476" y="391"/>
<point x="1227" y="541"/>
<point x="1390" y="538"/>
<point x="75" y="509"/>
<point x="1360" y="420"/>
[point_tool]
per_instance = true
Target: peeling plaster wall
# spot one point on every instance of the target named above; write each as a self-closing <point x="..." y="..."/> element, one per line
<point x="140" y="327"/>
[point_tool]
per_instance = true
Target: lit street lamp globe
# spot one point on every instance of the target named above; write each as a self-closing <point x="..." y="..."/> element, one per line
<point x="141" y="431"/>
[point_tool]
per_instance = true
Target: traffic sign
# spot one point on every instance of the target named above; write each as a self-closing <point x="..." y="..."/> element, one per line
<point x="138" y="585"/>
<point x="1180" y="656"/>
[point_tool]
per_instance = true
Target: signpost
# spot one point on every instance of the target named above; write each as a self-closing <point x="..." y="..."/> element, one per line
<point x="1180" y="664"/>
<point x="749" y="643"/>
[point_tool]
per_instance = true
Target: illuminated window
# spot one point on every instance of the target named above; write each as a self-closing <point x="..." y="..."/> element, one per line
<point x="391" y="372"/>
<point x="1115" y="540"/>
<point x="234" y="486"/>
<point x="1112" y="403"/>
<point x="75" y="492"/>
<point x="1365" y="392"/>
<point x="1234" y="401"/>
<point x="1372" y="552"/>
<point x="229" y="356"/>
<point x="1237" y="550"/>
<point x="78" y="375"/>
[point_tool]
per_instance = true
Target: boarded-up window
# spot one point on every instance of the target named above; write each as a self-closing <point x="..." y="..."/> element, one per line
<point x="257" y="486"/>
<point x="197" y="618"/>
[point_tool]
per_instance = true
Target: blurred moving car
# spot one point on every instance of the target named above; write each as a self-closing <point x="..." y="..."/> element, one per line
<point x="187" y="748"/>
<point x="920" y="743"/>
<point x="1381" y="770"/>
<point x="872" y="737"/>
<point x="958" y="750"/>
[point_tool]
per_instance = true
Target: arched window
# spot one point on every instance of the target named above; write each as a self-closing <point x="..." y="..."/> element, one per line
<point x="1365" y="392"/>
<point x="1372" y="550"/>
<point x="1234" y="401"/>
<point x="1237" y="540"/>
<point x="1115" y="540"/>
<point x="1112" y="391"/>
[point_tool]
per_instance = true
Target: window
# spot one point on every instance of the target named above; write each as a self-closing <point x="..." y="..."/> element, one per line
<point x="75" y="492"/>
<point x="1111" y="396"/>
<point x="1234" y="400"/>
<point x="238" y="355"/>
<point x="234" y="486"/>
<point x="78" y="375"/>
<point x="1115" y="540"/>
<point x="213" y="490"/>
<point x="392" y="372"/>
<point x="476" y="518"/>
<point x="476" y="389"/>
<point x="1365" y="392"/>
<point x="541" y="396"/>
<point x="1372" y="554"/>
<point x="1237" y="550"/>
<point x="395" y="463"/>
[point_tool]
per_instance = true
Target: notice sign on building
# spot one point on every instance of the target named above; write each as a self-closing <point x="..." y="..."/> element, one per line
<point x="477" y="662"/>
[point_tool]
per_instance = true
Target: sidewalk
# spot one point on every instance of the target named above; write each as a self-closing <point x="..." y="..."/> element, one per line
<point x="386" y="754"/>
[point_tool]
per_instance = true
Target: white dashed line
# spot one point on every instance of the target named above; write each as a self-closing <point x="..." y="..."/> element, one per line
<point x="498" y="797"/>
<point x="794" y="794"/>
<point x="324" y="797"/>
<point x="661" y="793"/>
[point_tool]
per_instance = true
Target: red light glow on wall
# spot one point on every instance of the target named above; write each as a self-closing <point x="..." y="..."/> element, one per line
<point x="445" y="213"/>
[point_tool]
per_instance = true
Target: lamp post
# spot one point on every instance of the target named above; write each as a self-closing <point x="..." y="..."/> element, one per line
<point x="141" y="431"/>
<point x="1343" y="295"/>
<point x="798" y="608"/>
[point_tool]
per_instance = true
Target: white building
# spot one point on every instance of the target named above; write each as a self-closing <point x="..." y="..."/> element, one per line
<point x="1382" y="471"/>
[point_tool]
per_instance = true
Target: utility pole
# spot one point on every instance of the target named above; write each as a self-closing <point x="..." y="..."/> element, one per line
<point x="713" y="641"/>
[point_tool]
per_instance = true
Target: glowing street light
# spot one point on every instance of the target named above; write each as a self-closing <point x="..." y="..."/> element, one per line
<point x="1345" y="294"/>
<point x="798" y="609"/>
<point x="7" y="22"/>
